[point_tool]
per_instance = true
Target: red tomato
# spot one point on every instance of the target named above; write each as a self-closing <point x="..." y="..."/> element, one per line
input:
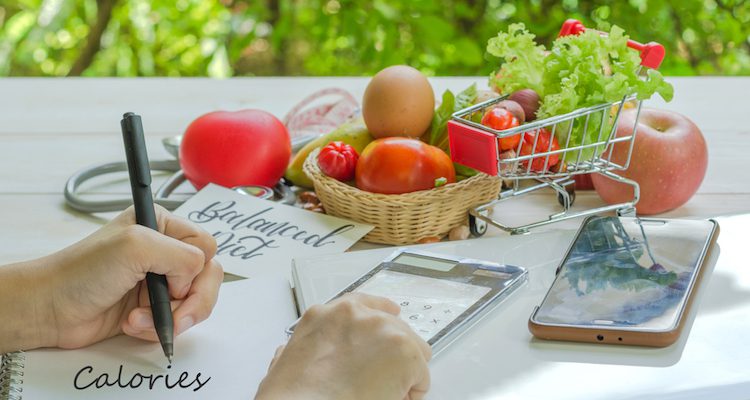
<point x="501" y="119"/>
<point x="338" y="160"/>
<point x="246" y="147"/>
<point x="396" y="165"/>
<point x="542" y="146"/>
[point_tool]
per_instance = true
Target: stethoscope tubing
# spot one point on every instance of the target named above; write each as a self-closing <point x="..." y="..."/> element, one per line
<point x="281" y="192"/>
<point x="76" y="201"/>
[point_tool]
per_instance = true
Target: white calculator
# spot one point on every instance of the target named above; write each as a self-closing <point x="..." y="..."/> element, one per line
<point x="440" y="296"/>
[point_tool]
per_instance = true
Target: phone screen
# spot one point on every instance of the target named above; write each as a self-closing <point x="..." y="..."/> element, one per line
<point x="627" y="273"/>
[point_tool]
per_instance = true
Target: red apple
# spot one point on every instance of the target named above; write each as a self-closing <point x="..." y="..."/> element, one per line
<point x="669" y="161"/>
<point x="246" y="147"/>
<point x="583" y="182"/>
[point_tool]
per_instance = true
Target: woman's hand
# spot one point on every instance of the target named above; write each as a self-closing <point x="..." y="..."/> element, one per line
<point x="95" y="289"/>
<point x="353" y="348"/>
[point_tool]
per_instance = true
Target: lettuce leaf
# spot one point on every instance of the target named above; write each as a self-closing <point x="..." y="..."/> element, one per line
<point x="523" y="60"/>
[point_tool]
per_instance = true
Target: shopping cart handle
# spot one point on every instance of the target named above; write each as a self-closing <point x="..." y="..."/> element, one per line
<point x="652" y="53"/>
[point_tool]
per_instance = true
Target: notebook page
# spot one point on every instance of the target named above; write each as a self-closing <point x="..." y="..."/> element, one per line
<point x="225" y="357"/>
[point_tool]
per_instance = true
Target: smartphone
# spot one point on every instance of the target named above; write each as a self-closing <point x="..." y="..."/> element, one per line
<point x="626" y="281"/>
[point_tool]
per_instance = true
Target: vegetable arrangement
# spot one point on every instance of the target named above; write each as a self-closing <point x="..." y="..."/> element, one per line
<point x="577" y="71"/>
<point x="397" y="102"/>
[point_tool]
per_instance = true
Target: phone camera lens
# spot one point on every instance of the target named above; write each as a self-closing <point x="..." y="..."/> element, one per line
<point x="600" y="337"/>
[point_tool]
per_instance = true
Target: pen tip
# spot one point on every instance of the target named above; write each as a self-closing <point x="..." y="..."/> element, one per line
<point x="169" y="358"/>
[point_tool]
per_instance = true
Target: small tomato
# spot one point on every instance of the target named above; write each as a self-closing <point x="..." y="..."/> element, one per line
<point x="543" y="145"/>
<point x="501" y="119"/>
<point x="338" y="160"/>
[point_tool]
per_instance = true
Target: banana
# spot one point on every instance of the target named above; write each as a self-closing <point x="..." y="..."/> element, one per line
<point x="353" y="132"/>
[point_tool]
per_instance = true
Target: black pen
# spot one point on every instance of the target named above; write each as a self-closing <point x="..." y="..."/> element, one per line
<point x="140" y="185"/>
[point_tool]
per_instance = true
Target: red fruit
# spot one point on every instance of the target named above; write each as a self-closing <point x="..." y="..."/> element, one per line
<point x="669" y="161"/>
<point x="401" y="165"/>
<point x="247" y="147"/>
<point x="501" y="119"/>
<point x="543" y="145"/>
<point x="338" y="160"/>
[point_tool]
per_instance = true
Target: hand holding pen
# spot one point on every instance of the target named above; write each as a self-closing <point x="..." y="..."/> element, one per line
<point x="140" y="183"/>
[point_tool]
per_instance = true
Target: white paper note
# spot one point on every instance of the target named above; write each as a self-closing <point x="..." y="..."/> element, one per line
<point x="225" y="357"/>
<point x="258" y="237"/>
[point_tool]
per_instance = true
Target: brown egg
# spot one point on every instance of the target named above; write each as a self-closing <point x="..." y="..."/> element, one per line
<point x="398" y="101"/>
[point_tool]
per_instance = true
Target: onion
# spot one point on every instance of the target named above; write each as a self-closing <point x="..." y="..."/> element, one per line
<point x="529" y="101"/>
<point x="513" y="108"/>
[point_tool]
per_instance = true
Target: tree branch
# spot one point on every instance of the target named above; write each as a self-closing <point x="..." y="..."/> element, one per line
<point x="93" y="40"/>
<point x="279" y="57"/>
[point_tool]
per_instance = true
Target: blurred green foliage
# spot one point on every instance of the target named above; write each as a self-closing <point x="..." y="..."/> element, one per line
<point x="341" y="37"/>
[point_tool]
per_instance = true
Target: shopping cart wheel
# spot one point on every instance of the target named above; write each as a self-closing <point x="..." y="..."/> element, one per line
<point x="571" y="194"/>
<point x="477" y="227"/>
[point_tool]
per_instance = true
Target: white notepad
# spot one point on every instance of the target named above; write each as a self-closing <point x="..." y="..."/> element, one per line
<point x="258" y="237"/>
<point x="231" y="351"/>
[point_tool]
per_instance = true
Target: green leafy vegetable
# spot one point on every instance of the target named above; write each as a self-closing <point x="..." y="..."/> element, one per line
<point x="450" y="104"/>
<point x="441" y="117"/>
<point x="578" y="71"/>
<point x="523" y="60"/>
<point x="439" y="128"/>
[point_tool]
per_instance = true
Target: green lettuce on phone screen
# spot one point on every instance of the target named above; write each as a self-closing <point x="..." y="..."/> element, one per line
<point x="578" y="71"/>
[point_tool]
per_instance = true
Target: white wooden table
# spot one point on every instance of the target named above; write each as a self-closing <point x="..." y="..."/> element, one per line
<point x="49" y="128"/>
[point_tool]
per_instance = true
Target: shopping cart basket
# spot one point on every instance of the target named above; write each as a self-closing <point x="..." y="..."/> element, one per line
<point x="476" y="146"/>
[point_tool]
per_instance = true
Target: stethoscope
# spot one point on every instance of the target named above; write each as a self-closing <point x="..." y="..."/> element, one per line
<point x="282" y="192"/>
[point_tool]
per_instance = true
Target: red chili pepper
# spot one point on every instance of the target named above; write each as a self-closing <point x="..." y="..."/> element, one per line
<point x="338" y="160"/>
<point x="542" y="146"/>
<point x="501" y="119"/>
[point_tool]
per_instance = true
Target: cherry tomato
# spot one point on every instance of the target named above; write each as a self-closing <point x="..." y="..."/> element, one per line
<point x="338" y="160"/>
<point x="542" y="146"/>
<point x="396" y="165"/>
<point x="501" y="119"/>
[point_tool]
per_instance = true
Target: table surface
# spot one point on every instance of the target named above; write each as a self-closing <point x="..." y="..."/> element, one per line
<point x="53" y="127"/>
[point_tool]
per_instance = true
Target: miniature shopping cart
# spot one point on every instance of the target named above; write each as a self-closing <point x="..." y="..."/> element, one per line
<point x="476" y="146"/>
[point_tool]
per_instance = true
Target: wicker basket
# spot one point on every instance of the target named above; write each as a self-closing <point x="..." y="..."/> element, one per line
<point x="401" y="219"/>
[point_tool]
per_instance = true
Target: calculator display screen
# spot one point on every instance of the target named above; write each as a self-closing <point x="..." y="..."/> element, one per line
<point x="427" y="304"/>
<point x="425" y="262"/>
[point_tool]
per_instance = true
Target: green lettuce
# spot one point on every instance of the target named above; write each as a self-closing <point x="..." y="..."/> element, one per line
<point x="578" y="71"/>
<point x="523" y="61"/>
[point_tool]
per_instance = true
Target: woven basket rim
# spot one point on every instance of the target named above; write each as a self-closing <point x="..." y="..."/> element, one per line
<point x="310" y="167"/>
